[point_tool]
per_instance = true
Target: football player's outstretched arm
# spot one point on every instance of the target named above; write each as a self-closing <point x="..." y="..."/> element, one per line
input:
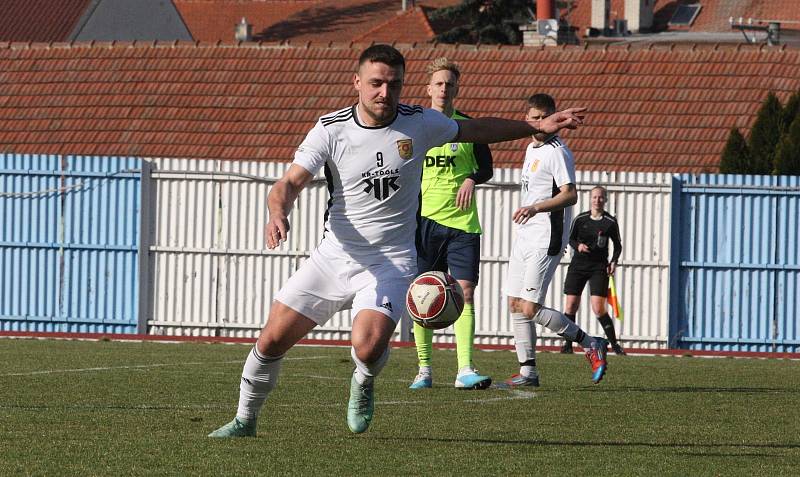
<point x="567" y="196"/>
<point x="491" y="130"/>
<point x="280" y="202"/>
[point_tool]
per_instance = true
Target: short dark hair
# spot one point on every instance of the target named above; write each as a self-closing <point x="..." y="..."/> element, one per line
<point x="543" y="102"/>
<point x="382" y="54"/>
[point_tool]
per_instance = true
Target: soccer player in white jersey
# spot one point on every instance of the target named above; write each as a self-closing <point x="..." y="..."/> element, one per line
<point x="548" y="194"/>
<point x="372" y="154"/>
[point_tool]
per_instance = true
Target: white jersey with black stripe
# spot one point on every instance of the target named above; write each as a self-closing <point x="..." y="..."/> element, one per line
<point x="373" y="176"/>
<point x="546" y="169"/>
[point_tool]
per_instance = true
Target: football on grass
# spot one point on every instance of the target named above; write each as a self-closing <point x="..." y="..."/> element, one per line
<point x="434" y="300"/>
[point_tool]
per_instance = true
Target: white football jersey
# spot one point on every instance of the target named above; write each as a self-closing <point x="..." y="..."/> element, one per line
<point x="546" y="169"/>
<point x="374" y="177"/>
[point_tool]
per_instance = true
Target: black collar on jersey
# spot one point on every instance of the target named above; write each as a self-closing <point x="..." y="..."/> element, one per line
<point x="355" y="118"/>
<point x="553" y="140"/>
<point x="588" y="213"/>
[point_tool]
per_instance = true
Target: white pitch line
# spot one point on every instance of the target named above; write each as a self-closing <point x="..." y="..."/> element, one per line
<point x="513" y="394"/>
<point x="314" y="376"/>
<point x="139" y="366"/>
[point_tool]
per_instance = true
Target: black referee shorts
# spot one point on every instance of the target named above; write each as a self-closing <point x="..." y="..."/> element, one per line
<point x="578" y="275"/>
<point x="445" y="249"/>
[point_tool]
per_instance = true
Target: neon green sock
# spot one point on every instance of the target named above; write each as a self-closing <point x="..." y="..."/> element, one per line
<point x="423" y="337"/>
<point x="465" y="335"/>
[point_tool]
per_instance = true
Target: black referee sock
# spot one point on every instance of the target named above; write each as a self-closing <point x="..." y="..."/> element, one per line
<point x="608" y="327"/>
<point x="570" y="317"/>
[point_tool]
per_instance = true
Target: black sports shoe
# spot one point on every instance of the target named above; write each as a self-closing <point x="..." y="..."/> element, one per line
<point x="566" y="348"/>
<point x="617" y="349"/>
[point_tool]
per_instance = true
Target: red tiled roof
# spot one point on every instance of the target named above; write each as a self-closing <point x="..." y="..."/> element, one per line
<point x="39" y="20"/>
<point x="412" y="26"/>
<point x="215" y="20"/>
<point x="713" y="16"/>
<point x="775" y="10"/>
<point x="310" y="20"/>
<point x="665" y="109"/>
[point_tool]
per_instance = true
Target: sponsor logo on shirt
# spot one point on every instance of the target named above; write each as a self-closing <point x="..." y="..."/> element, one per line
<point x="380" y="172"/>
<point x="405" y="148"/>
<point x="381" y="187"/>
<point x="535" y="165"/>
<point x="454" y="146"/>
<point x="440" y="161"/>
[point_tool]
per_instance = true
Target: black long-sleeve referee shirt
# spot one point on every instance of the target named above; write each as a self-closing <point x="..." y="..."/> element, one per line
<point x="595" y="234"/>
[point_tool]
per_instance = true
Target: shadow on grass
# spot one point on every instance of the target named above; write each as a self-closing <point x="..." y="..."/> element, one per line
<point x="689" y="389"/>
<point x="599" y="443"/>
<point x="113" y="407"/>
<point x="719" y="454"/>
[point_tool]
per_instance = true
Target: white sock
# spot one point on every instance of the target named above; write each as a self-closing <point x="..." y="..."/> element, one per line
<point x="364" y="372"/>
<point x="557" y="322"/>
<point x="425" y="370"/>
<point x="259" y="377"/>
<point x="465" y="370"/>
<point x="524" y="341"/>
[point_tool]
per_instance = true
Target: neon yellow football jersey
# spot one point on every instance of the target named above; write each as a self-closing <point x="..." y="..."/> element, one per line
<point x="446" y="167"/>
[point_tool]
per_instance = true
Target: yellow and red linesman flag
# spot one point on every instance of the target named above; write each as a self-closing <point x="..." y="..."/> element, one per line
<point x="613" y="299"/>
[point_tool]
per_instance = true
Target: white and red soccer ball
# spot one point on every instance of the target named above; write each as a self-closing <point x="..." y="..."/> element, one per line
<point x="434" y="300"/>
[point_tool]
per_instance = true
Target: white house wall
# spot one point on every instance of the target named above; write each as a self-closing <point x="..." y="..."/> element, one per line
<point x="641" y="203"/>
<point x="213" y="276"/>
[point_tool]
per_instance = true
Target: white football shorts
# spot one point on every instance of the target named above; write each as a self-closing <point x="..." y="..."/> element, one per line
<point x="530" y="271"/>
<point x="325" y="284"/>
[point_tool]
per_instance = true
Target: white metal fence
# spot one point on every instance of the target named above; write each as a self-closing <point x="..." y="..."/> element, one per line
<point x="213" y="276"/>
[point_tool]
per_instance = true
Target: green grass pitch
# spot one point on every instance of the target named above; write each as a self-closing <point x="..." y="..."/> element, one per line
<point x="128" y="408"/>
